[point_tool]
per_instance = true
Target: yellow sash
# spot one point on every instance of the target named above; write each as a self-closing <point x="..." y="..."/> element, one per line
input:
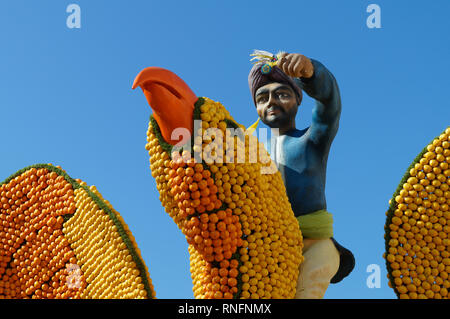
<point x="316" y="225"/>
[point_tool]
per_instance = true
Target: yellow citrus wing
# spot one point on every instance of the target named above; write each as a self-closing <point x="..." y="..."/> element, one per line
<point x="418" y="226"/>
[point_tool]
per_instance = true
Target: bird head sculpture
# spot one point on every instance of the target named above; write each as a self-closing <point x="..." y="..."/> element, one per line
<point x="244" y="240"/>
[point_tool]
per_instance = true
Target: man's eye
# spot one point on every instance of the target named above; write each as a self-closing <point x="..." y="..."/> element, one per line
<point x="261" y="99"/>
<point x="284" y="95"/>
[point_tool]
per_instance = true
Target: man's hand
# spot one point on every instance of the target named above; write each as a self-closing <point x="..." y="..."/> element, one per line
<point x="296" y="65"/>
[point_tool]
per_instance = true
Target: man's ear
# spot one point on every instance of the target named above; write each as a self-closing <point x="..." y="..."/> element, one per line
<point x="298" y="100"/>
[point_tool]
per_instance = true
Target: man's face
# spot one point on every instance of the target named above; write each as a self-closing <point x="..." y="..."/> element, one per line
<point x="276" y="104"/>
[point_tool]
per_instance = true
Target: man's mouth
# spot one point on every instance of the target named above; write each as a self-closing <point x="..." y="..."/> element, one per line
<point x="273" y="110"/>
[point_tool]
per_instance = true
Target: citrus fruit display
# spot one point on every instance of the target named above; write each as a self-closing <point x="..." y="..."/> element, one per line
<point x="418" y="225"/>
<point x="243" y="238"/>
<point x="60" y="239"/>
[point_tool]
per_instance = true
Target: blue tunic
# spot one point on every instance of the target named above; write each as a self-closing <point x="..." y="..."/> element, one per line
<point x="301" y="155"/>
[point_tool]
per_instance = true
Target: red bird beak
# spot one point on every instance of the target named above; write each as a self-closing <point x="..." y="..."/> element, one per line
<point x="170" y="98"/>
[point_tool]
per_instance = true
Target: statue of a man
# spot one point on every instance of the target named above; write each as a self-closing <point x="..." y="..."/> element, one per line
<point x="301" y="157"/>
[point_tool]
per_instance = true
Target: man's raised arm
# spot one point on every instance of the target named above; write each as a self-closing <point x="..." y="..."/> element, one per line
<point x="314" y="78"/>
<point x="322" y="87"/>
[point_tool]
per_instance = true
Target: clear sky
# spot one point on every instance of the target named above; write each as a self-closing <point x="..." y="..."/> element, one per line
<point x="66" y="99"/>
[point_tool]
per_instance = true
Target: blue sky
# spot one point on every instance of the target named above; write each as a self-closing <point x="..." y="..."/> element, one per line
<point x="66" y="99"/>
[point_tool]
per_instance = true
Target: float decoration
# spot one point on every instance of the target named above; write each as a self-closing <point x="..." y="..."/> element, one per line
<point x="60" y="239"/>
<point x="244" y="240"/>
<point x="418" y="224"/>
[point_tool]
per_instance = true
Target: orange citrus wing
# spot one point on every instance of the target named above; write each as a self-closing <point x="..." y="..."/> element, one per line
<point x="60" y="239"/>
